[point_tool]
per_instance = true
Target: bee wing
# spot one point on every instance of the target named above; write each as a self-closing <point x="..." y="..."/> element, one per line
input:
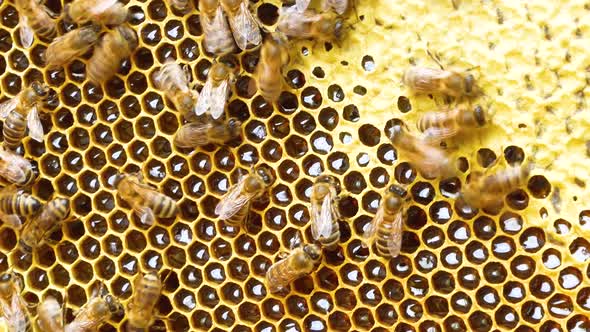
<point x="321" y="225"/>
<point x="7" y="107"/>
<point x="233" y="200"/>
<point x="302" y="5"/>
<point x="204" y="102"/>
<point x="26" y="33"/>
<point x="395" y="240"/>
<point x="218" y="99"/>
<point x="371" y="231"/>
<point x="244" y="27"/>
<point x="11" y="170"/>
<point x="145" y="214"/>
<point x="34" y="125"/>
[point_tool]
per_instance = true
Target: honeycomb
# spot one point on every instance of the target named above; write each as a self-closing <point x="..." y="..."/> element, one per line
<point x="524" y="268"/>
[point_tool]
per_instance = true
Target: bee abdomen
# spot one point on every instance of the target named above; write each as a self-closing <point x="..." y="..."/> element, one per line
<point x="163" y="206"/>
<point x="58" y="208"/>
<point x="13" y="130"/>
<point x="331" y="242"/>
<point x="23" y="205"/>
<point x="383" y="236"/>
<point x="238" y="218"/>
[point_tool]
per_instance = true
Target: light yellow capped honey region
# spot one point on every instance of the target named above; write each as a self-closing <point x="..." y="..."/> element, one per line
<point x="459" y="270"/>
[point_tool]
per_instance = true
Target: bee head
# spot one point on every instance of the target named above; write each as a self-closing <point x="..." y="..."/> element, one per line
<point x="235" y="127"/>
<point x="40" y="89"/>
<point x="480" y="115"/>
<point x="265" y="174"/>
<point x="129" y="35"/>
<point x="313" y="251"/>
<point x="113" y="304"/>
<point x="219" y="71"/>
<point x="338" y="28"/>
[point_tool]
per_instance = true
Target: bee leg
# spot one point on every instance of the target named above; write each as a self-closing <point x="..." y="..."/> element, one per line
<point x="434" y="56"/>
<point x="456" y="4"/>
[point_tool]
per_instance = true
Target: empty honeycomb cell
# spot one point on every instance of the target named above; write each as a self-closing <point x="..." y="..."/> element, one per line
<point x="458" y="232"/>
<point x="272" y="151"/>
<point x="579" y="249"/>
<point x="513" y="155"/>
<point x="476" y="252"/>
<point x="433" y="237"/>
<point x="76" y="71"/>
<point x="351" y="113"/>
<point x="90" y="248"/>
<point x="11" y="84"/>
<point x="518" y="199"/>
<point x="503" y="247"/>
<point x="570" y="278"/>
<point x="511" y="223"/>
<point x="486" y="157"/>
<point x="417" y="286"/>
<point x="532" y="239"/>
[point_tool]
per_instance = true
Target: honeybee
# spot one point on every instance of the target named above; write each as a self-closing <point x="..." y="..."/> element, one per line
<point x="487" y="191"/>
<point x="16" y="169"/>
<point x="50" y="316"/>
<point x="146" y="202"/>
<point x="274" y="56"/>
<point x="14" y="203"/>
<point x="300" y="262"/>
<point x="430" y="80"/>
<point x="326" y="27"/>
<point x="23" y="106"/>
<point x="217" y="36"/>
<point x="34" y="18"/>
<point x="243" y="25"/>
<point x="324" y="211"/>
<point x="115" y="46"/>
<point x="386" y="227"/>
<point x="234" y="206"/>
<point x="201" y="133"/>
<point x="13" y="306"/>
<point x="215" y="92"/>
<point x="107" y="12"/>
<point x="51" y="217"/>
<point x="438" y="126"/>
<point x="94" y="313"/>
<point x="173" y="80"/>
<point x="74" y="43"/>
<point x="181" y="6"/>
<point x="140" y="310"/>
<point x="431" y="161"/>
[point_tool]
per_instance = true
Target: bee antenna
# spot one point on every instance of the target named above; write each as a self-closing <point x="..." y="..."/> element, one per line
<point x="434" y="57"/>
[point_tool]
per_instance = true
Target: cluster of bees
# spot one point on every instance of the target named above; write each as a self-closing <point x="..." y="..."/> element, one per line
<point x="228" y="26"/>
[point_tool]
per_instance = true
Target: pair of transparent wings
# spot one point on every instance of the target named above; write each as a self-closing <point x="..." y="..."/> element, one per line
<point x="234" y="200"/>
<point x="146" y="214"/>
<point x="394" y="239"/>
<point x="15" y="312"/>
<point x="324" y="216"/>
<point x="33" y="121"/>
<point x="245" y="27"/>
<point x="11" y="220"/>
<point x="213" y="98"/>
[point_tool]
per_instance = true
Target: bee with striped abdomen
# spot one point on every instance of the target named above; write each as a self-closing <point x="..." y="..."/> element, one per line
<point x="21" y="112"/>
<point x="140" y="310"/>
<point x="201" y="133"/>
<point x="386" y="227"/>
<point x="300" y="262"/>
<point x="107" y="12"/>
<point x="431" y="161"/>
<point x="115" y="46"/>
<point x="424" y="80"/>
<point x="12" y="305"/>
<point x="173" y="80"/>
<point x="324" y="212"/>
<point x="98" y="309"/>
<point x="243" y="25"/>
<point x="274" y="56"/>
<point x="15" y="203"/>
<point x="34" y="18"/>
<point x="437" y="126"/>
<point x="146" y="202"/>
<point x="74" y="43"/>
<point x="214" y="94"/>
<point x="33" y="233"/>
<point x="324" y="27"/>
<point x="485" y="191"/>
<point x="16" y="169"/>
<point x="234" y="206"/>
<point x="50" y="316"/>
<point x="217" y="36"/>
